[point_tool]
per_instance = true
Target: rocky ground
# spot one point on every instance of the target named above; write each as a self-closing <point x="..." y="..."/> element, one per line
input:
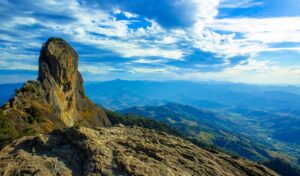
<point x="118" y="151"/>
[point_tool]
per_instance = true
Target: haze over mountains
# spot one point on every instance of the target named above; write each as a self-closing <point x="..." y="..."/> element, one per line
<point x="125" y="94"/>
<point x="199" y="94"/>
<point x="262" y="117"/>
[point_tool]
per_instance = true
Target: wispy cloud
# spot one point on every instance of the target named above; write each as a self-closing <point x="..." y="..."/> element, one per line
<point x="251" y="71"/>
<point x="253" y="35"/>
<point x="240" y="3"/>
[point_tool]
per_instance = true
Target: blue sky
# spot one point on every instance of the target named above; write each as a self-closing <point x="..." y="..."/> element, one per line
<point x="250" y="41"/>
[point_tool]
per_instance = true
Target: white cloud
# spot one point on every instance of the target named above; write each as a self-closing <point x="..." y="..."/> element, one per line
<point x="151" y="70"/>
<point x="130" y="15"/>
<point x="96" y="69"/>
<point x="240" y="3"/>
<point x="147" y="61"/>
<point x="96" y="27"/>
<point x="258" y="25"/>
<point x="90" y="25"/>
<point x="17" y="66"/>
<point x="252" y="71"/>
<point x="15" y="78"/>
<point x="257" y="33"/>
<point x="246" y="36"/>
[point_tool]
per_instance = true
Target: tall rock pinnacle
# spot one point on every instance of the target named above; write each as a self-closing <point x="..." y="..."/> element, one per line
<point x="57" y="99"/>
<point x="58" y="65"/>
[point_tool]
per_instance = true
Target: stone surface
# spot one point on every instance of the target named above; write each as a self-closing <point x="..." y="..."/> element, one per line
<point x="58" y="65"/>
<point x="57" y="98"/>
<point x="118" y="151"/>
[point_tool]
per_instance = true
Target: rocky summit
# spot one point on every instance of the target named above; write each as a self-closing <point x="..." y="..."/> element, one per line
<point x="57" y="98"/>
<point x="70" y="135"/>
<point x="118" y="151"/>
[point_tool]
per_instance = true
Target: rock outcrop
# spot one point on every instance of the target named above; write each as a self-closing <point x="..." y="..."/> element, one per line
<point x="56" y="102"/>
<point x="118" y="151"/>
<point x="57" y="98"/>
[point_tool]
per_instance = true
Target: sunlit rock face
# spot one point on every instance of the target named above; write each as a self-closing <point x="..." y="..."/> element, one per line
<point x="58" y="65"/>
<point x="57" y="98"/>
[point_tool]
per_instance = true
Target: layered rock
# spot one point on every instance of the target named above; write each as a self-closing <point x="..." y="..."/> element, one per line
<point x="57" y="98"/>
<point x="118" y="151"/>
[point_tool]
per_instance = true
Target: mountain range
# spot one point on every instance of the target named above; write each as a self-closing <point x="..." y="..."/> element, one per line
<point x="50" y="127"/>
<point x="121" y="94"/>
<point x="199" y="94"/>
<point x="268" y="115"/>
<point x="207" y="127"/>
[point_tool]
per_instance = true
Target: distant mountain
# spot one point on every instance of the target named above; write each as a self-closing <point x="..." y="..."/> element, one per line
<point x="205" y="126"/>
<point x="50" y="127"/>
<point x="267" y="114"/>
<point x="120" y="94"/>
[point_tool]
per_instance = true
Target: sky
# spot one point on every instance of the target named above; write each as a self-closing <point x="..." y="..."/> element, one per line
<point x="249" y="41"/>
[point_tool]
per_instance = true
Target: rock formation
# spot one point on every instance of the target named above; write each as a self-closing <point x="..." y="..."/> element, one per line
<point x="57" y="101"/>
<point x="57" y="98"/>
<point x="118" y="151"/>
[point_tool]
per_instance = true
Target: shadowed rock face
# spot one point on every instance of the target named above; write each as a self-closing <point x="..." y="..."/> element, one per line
<point x="118" y="151"/>
<point x="57" y="99"/>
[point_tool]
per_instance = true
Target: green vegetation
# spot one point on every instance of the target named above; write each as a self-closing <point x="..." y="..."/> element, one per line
<point x="33" y="115"/>
<point x="282" y="167"/>
<point x="132" y="120"/>
<point x="205" y="129"/>
<point x="8" y="132"/>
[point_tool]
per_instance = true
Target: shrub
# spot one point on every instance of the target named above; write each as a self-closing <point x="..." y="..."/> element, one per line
<point x="7" y="131"/>
<point x="133" y="120"/>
